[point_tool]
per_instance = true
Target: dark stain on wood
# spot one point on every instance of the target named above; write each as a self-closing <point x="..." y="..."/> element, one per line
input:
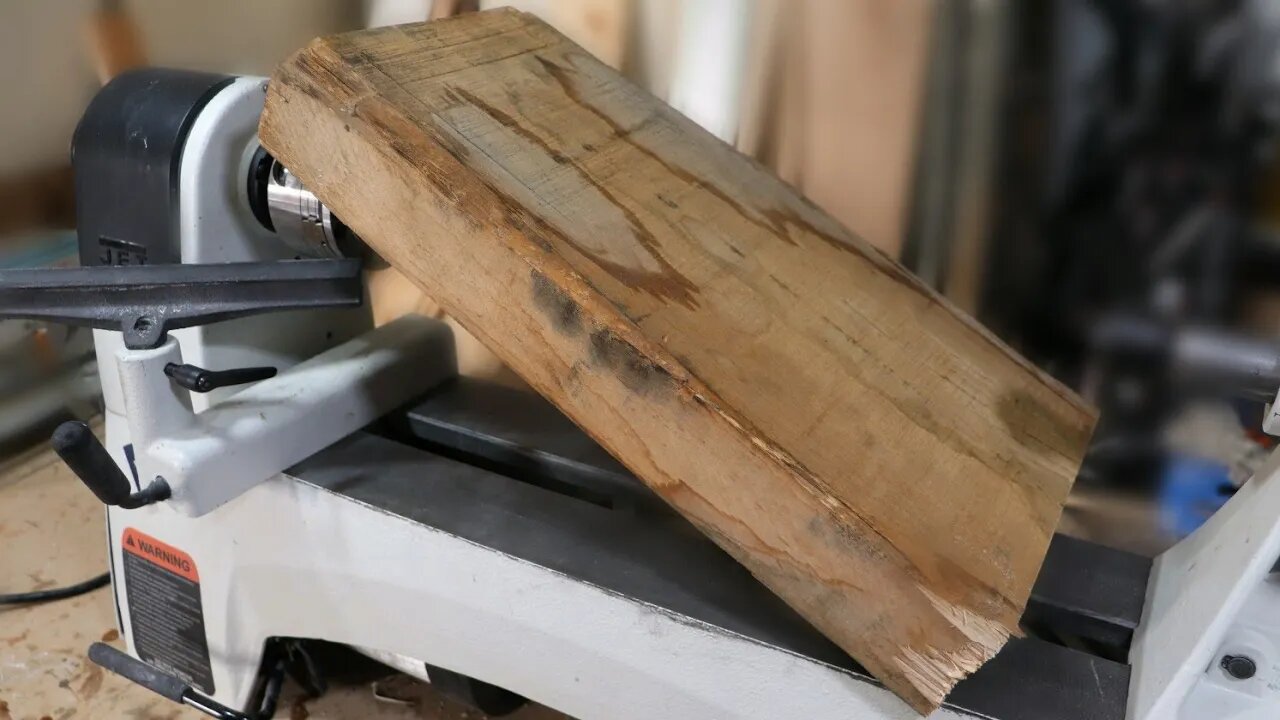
<point x="315" y="68"/>
<point x="911" y="404"/>
<point x="781" y="218"/>
<point x="552" y="300"/>
<point x="869" y="544"/>
<point x="1036" y="427"/>
<point x="433" y="174"/>
<point x="667" y="284"/>
<point x="4" y="711"/>
<point x="531" y="226"/>
<point x="633" y="368"/>
<point x="412" y="154"/>
<point x="111" y="635"/>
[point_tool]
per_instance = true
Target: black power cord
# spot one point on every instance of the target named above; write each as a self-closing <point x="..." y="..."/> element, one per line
<point x="62" y="593"/>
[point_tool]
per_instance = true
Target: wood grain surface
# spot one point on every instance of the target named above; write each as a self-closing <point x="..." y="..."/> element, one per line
<point x="879" y="460"/>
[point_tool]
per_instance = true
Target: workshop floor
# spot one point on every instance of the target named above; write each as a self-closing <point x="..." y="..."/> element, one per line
<point x="51" y="534"/>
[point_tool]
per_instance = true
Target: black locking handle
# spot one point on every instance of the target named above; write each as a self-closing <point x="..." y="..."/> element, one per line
<point x="74" y="442"/>
<point x="197" y="379"/>
<point x="159" y="682"/>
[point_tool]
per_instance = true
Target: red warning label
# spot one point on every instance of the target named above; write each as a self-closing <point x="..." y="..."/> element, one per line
<point x="166" y="556"/>
<point x="166" y="617"/>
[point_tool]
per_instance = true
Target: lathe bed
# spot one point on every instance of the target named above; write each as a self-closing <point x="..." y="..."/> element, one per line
<point x="504" y="470"/>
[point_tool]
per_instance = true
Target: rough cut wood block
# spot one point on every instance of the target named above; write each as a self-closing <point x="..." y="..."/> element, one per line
<point x="876" y="458"/>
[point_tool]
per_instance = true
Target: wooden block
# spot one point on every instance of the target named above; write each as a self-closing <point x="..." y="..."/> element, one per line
<point x="880" y="461"/>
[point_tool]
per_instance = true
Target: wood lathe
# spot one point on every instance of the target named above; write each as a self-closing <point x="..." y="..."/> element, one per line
<point x="276" y="471"/>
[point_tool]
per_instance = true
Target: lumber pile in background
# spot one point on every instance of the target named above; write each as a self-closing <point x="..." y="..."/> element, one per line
<point x="876" y="458"/>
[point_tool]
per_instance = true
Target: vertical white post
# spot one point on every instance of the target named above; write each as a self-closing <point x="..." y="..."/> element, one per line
<point x="157" y="406"/>
<point x="711" y="57"/>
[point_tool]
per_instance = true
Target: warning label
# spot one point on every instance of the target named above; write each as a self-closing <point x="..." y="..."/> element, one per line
<point x="166" y="619"/>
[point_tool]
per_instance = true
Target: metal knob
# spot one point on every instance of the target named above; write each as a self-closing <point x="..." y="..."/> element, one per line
<point x="1240" y="667"/>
